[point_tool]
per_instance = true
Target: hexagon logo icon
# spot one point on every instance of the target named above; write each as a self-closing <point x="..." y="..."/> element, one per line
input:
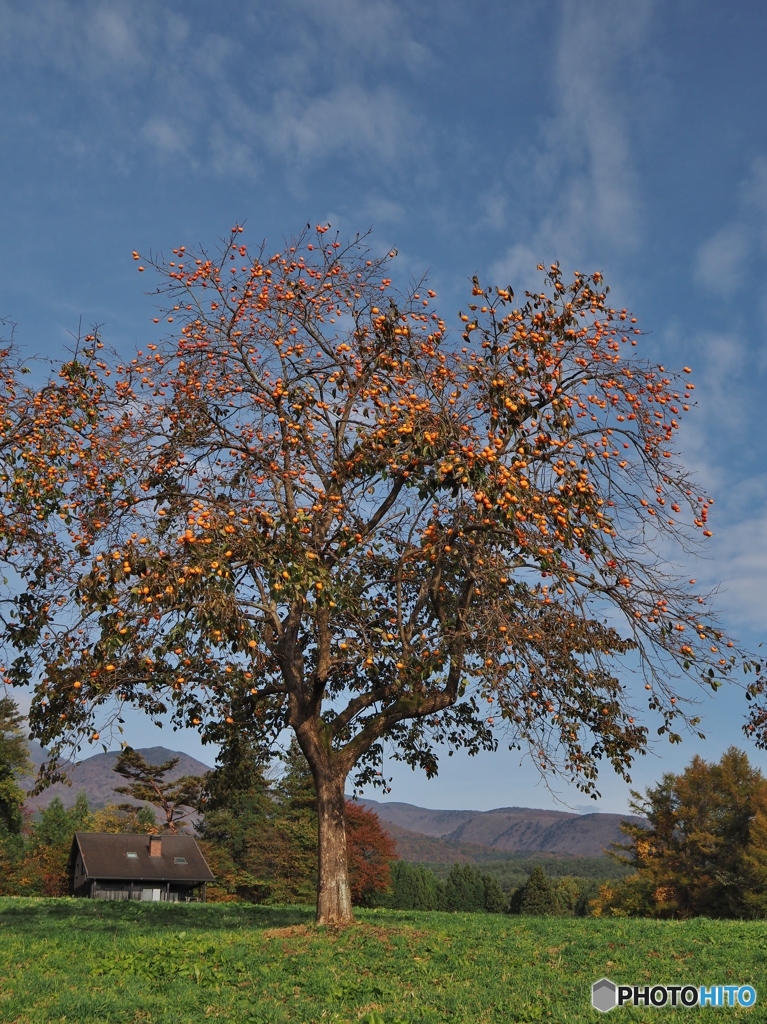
<point x="603" y="995"/>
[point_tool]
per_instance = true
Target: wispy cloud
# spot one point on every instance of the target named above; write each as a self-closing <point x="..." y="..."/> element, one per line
<point x="578" y="177"/>
<point x="722" y="262"/>
<point x="168" y="139"/>
<point x="302" y="85"/>
<point x="373" y="125"/>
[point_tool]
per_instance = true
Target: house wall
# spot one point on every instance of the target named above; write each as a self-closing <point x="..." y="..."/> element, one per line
<point x="78" y="877"/>
<point x="156" y="892"/>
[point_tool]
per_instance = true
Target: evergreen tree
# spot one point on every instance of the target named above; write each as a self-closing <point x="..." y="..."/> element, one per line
<point x="464" y="889"/>
<point x="54" y="828"/>
<point x="567" y="891"/>
<point x="240" y="779"/>
<point x="14" y="763"/>
<point x="238" y="827"/>
<point x="48" y="850"/>
<point x="176" y="799"/>
<point x="295" y="865"/>
<point x="403" y="887"/>
<point x="414" y="887"/>
<point x="495" y="899"/>
<point x="589" y="892"/>
<point x="535" y="897"/>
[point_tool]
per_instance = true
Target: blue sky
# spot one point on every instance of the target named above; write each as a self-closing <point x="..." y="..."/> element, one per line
<point x="478" y="138"/>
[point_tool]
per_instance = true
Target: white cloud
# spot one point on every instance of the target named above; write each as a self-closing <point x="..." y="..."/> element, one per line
<point x="578" y="177"/>
<point x="376" y="126"/>
<point x="379" y="210"/>
<point x="303" y="84"/>
<point x="167" y="139"/>
<point x="741" y="557"/>
<point x="348" y="37"/>
<point x="720" y="262"/>
<point x="110" y="36"/>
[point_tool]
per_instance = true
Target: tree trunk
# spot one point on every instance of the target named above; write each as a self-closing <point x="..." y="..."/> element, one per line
<point x="334" y="899"/>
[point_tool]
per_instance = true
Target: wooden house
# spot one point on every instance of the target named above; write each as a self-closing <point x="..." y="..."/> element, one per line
<point x="131" y="867"/>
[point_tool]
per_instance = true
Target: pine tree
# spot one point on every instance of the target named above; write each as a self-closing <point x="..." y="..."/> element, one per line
<point x="495" y="899"/>
<point x="14" y="762"/>
<point x="296" y="824"/>
<point x="464" y="889"/>
<point x="402" y="895"/>
<point x="238" y="826"/>
<point x="176" y="799"/>
<point x="414" y="887"/>
<point x="535" y="897"/>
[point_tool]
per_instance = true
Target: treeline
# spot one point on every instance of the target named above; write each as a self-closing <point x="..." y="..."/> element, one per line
<point x="514" y="870"/>
<point x="702" y="853"/>
<point x="469" y="890"/>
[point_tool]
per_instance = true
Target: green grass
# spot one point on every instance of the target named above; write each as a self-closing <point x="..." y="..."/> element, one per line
<point x="93" y="962"/>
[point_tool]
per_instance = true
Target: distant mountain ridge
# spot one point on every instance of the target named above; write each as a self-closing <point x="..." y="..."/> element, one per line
<point x="421" y="834"/>
<point x="505" y="829"/>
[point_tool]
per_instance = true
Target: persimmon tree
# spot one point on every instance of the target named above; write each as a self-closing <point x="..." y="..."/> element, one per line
<point x="315" y="506"/>
<point x="45" y="457"/>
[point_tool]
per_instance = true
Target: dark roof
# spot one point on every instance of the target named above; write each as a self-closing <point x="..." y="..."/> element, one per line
<point x="105" y="857"/>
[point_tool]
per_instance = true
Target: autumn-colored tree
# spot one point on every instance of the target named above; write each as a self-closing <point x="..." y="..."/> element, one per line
<point x="704" y="849"/>
<point x="314" y="506"/>
<point x="125" y="819"/>
<point x="177" y="798"/>
<point x="370" y="851"/>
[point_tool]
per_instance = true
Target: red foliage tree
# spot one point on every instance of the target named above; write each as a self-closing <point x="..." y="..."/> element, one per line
<point x="370" y="851"/>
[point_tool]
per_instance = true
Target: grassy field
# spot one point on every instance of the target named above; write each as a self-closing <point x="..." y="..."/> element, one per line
<point x="93" y="962"/>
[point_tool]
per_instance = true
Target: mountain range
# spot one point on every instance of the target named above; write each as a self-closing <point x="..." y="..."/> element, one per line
<point x="440" y="836"/>
<point x="421" y="834"/>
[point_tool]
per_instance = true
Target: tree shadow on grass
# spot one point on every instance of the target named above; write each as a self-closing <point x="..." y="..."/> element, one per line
<point x="44" y="915"/>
